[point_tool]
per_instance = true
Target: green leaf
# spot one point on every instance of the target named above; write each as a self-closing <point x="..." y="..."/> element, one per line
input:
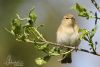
<point x="83" y="34"/>
<point x="54" y="51"/>
<point x="82" y="11"/>
<point x="43" y="46"/>
<point x="93" y="32"/>
<point x="40" y="61"/>
<point x="32" y="17"/>
<point x="29" y="33"/>
<point x="44" y="60"/>
<point x="16" y="27"/>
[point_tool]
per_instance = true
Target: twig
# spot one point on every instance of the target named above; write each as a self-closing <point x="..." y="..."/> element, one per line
<point x="56" y="44"/>
<point x="73" y="48"/>
<point x="96" y="5"/>
<point x="87" y="51"/>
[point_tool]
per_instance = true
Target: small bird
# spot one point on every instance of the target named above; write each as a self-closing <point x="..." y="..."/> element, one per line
<point x="67" y="34"/>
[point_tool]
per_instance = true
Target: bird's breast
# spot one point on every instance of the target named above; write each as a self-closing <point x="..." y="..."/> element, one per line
<point x="67" y="36"/>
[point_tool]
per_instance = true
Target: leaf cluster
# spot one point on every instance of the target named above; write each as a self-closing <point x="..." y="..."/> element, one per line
<point x="28" y="32"/>
<point x="83" y="12"/>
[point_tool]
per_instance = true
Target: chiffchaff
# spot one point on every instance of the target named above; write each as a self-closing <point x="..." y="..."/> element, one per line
<point x="67" y="34"/>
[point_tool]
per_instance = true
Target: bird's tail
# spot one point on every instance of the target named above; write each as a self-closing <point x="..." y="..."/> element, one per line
<point x="66" y="58"/>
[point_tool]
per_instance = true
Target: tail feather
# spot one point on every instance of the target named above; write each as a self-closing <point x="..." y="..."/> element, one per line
<point x="67" y="58"/>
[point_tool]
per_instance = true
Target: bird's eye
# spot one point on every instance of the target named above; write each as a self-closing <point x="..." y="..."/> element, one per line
<point x="67" y="18"/>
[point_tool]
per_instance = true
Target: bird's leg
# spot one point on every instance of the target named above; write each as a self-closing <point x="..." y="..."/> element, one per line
<point x="76" y="48"/>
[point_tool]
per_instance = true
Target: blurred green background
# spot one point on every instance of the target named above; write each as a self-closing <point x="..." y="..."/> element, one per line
<point x="50" y="13"/>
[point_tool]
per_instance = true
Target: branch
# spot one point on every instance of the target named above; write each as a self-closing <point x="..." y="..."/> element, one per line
<point x="56" y="44"/>
<point x="87" y="51"/>
<point x="73" y="48"/>
<point x="96" y="5"/>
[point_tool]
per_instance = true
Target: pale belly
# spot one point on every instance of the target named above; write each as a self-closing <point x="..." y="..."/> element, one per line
<point x="66" y="39"/>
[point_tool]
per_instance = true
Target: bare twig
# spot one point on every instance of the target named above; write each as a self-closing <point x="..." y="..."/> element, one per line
<point x="87" y="51"/>
<point x="96" y="5"/>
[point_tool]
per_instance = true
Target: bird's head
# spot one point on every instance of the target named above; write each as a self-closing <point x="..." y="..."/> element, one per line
<point x="68" y="20"/>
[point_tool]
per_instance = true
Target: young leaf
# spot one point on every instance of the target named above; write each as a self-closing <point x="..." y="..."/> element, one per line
<point x="42" y="46"/>
<point x="93" y="32"/>
<point x="16" y="27"/>
<point x="32" y="17"/>
<point x="54" y="51"/>
<point x="44" y="60"/>
<point x="40" y="61"/>
<point x="83" y="34"/>
<point x="82" y="11"/>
